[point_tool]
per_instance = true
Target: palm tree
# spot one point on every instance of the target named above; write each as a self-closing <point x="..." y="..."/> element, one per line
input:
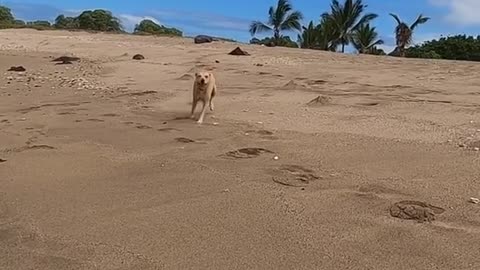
<point x="404" y="33"/>
<point x="365" y="39"/>
<point x="309" y="37"/>
<point x="328" y="33"/>
<point x="280" y="18"/>
<point x="348" y="18"/>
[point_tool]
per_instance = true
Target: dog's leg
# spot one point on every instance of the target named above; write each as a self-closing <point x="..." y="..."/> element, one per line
<point x="204" y="109"/>
<point x="211" y="99"/>
<point x="194" y="105"/>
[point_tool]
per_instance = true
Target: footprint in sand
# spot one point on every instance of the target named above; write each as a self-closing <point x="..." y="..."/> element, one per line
<point x="295" y="176"/>
<point x="168" y="129"/>
<point x="95" y="120"/>
<point x="415" y="210"/>
<point x="141" y="126"/>
<point x="245" y="153"/>
<point x="184" y="140"/>
<point x="110" y="115"/>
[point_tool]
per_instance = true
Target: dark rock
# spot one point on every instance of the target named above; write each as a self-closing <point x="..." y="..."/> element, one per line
<point x="17" y="69"/>
<point x="203" y="39"/>
<point x="138" y="57"/>
<point x="238" y="51"/>
<point x="216" y="61"/>
<point x="66" y="59"/>
<point x="64" y="63"/>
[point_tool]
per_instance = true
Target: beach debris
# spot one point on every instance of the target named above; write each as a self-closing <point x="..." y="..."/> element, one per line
<point x="17" y="69"/>
<point x="415" y="210"/>
<point x="138" y="57"/>
<point x="474" y="200"/>
<point x="238" y="51"/>
<point x="203" y="39"/>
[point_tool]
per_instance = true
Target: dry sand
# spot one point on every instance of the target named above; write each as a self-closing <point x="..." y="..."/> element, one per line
<point x="100" y="169"/>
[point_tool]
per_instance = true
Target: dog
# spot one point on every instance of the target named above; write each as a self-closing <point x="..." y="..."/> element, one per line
<point x="204" y="89"/>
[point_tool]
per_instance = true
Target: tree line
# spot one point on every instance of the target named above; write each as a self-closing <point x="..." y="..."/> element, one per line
<point x="346" y="23"/>
<point x="89" y="20"/>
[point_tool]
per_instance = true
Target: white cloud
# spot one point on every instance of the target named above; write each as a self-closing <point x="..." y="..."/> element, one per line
<point x="130" y="21"/>
<point x="461" y="12"/>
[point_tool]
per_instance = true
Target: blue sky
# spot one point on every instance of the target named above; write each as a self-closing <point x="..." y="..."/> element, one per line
<point x="226" y="19"/>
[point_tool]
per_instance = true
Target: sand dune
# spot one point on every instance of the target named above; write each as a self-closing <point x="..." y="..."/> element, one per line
<point x="100" y="168"/>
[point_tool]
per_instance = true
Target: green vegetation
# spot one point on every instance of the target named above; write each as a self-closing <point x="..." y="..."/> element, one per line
<point x="459" y="47"/>
<point x="282" y="41"/>
<point x="280" y="18"/>
<point x="62" y="22"/>
<point x="365" y="39"/>
<point x="6" y="16"/>
<point x="149" y="27"/>
<point x="347" y="19"/>
<point x="99" y="20"/>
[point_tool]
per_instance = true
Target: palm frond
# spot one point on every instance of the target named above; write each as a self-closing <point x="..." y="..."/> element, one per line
<point x="396" y="18"/>
<point x="420" y="20"/>
<point x="292" y="21"/>
<point x="258" y="27"/>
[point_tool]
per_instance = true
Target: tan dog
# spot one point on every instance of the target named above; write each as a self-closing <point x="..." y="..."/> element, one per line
<point x="204" y="89"/>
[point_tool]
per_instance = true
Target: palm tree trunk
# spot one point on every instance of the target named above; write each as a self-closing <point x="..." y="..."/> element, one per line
<point x="402" y="51"/>
<point x="276" y="35"/>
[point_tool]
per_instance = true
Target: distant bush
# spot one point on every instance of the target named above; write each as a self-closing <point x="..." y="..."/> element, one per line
<point x="62" y="22"/>
<point x="459" y="47"/>
<point x="99" y="20"/>
<point x="283" y="41"/>
<point x="149" y="27"/>
<point x="6" y="16"/>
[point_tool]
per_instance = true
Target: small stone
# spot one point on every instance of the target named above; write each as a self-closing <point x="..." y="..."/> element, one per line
<point x="260" y="123"/>
<point x="276" y="158"/>
<point x="474" y="200"/>
<point x="461" y="145"/>
<point x="476" y="149"/>
<point x="246" y="134"/>
<point x="226" y="190"/>
<point x="216" y="61"/>
<point x="215" y="124"/>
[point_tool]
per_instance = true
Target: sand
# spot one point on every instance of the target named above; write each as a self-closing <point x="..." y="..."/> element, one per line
<point x="101" y="169"/>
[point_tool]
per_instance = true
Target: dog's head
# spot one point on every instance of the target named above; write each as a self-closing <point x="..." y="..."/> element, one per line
<point x="203" y="78"/>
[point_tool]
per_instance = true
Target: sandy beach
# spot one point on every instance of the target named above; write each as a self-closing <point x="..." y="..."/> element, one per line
<point x="100" y="167"/>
